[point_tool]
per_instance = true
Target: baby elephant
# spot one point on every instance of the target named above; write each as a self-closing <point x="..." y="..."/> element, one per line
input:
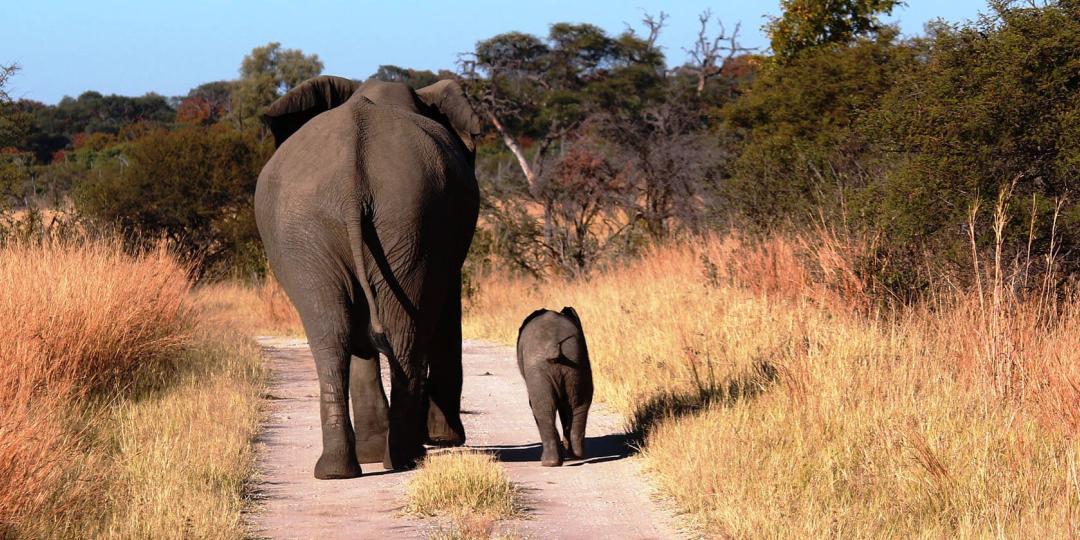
<point x="554" y="361"/>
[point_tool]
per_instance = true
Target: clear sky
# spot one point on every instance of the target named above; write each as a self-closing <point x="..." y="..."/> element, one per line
<point x="132" y="47"/>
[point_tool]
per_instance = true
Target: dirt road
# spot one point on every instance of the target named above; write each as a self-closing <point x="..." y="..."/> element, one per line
<point x="598" y="498"/>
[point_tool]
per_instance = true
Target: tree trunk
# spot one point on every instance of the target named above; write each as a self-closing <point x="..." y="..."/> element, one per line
<point x="515" y="148"/>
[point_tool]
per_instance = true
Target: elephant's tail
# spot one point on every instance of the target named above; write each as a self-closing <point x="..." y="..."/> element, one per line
<point x="376" y="331"/>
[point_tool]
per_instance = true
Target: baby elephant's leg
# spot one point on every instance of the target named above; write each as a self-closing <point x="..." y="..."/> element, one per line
<point x="577" y="430"/>
<point x="566" y="417"/>
<point x="544" y="414"/>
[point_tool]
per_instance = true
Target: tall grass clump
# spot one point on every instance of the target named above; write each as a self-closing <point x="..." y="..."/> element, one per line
<point x="121" y="413"/>
<point x="777" y="397"/>
<point x="75" y="318"/>
<point x="458" y="483"/>
<point x="261" y="308"/>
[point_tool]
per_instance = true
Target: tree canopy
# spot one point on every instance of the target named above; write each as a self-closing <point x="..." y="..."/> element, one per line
<point x="267" y="73"/>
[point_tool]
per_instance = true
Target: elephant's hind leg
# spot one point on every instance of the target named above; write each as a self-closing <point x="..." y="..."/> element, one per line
<point x="322" y="307"/>
<point x="405" y="437"/>
<point x="566" y="418"/>
<point x="544" y="409"/>
<point x="444" y="426"/>
<point x="338" y="459"/>
<point x="371" y="412"/>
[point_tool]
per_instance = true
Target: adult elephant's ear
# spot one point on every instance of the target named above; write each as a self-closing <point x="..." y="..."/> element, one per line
<point x="310" y="98"/>
<point x="448" y="98"/>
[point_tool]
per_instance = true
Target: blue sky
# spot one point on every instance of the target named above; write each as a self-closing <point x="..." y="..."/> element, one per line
<point x="130" y="48"/>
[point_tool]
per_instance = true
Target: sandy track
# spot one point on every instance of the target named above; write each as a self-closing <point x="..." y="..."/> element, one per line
<point x="600" y="497"/>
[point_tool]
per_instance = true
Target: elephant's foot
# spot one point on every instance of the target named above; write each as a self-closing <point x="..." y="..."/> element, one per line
<point x="570" y="453"/>
<point x="446" y="439"/>
<point x="371" y="449"/>
<point x="336" y="466"/>
<point x="403" y="459"/>
<point x="443" y="431"/>
<point x="551" y="457"/>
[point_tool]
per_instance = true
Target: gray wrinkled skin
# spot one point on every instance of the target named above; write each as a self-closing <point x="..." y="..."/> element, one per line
<point x="554" y="361"/>
<point x="366" y="210"/>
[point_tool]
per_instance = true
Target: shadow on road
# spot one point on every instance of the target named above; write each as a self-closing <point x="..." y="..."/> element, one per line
<point x="597" y="449"/>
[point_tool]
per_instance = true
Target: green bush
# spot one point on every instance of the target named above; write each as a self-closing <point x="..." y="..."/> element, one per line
<point x="994" y="103"/>
<point x="193" y="186"/>
<point x="801" y="153"/>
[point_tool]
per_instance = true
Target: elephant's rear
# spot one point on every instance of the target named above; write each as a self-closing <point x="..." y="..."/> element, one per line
<point x="353" y="211"/>
<point x="554" y="362"/>
<point x="298" y="202"/>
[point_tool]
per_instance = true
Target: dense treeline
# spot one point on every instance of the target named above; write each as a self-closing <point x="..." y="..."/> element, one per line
<point x="596" y="146"/>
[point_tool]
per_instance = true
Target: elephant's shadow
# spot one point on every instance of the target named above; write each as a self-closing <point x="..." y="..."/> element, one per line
<point x="597" y="449"/>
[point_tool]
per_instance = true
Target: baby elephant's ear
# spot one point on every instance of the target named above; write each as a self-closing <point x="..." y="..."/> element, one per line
<point x="570" y="312"/>
<point x="310" y="98"/>
<point x="528" y="319"/>
<point x="448" y="98"/>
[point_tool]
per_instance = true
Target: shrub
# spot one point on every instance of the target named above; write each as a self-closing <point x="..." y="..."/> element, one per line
<point x="193" y="185"/>
<point x="998" y="109"/>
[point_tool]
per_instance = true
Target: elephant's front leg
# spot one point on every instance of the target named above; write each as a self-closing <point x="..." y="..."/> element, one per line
<point x="371" y="412"/>
<point x="338" y="459"/>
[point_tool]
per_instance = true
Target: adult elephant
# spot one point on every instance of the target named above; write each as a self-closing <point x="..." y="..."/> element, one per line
<point x="366" y="210"/>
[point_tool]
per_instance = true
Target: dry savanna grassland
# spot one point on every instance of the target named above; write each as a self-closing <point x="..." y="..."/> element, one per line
<point x="126" y="409"/>
<point x="777" y="400"/>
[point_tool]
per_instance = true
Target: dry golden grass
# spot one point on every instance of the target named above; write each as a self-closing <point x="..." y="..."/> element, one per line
<point x="778" y="403"/>
<point x="462" y="484"/>
<point x="469" y="489"/>
<point x="256" y="309"/>
<point x="121" y="414"/>
<point x="182" y="454"/>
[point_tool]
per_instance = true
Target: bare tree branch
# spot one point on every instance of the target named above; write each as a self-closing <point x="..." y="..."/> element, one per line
<point x="655" y="25"/>
<point x="709" y="54"/>
<point x="6" y="72"/>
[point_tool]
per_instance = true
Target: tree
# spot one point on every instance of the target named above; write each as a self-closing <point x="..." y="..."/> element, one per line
<point x="998" y="108"/>
<point x="14" y="123"/>
<point x="709" y="55"/>
<point x="801" y="153"/>
<point x="537" y="91"/>
<point x="192" y="185"/>
<point x="415" y="78"/>
<point x="806" y="24"/>
<point x="267" y="73"/>
<point x="206" y="104"/>
<point x="53" y="128"/>
<point x="669" y="161"/>
<point x="583" y="194"/>
<point x="12" y="120"/>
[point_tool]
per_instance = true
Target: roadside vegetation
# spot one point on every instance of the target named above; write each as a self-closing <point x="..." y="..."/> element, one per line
<point x="775" y="400"/>
<point x="123" y="414"/>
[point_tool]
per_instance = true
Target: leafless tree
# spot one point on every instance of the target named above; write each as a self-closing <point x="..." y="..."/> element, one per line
<point x="6" y="72"/>
<point x="708" y="55"/>
<point x="584" y="197"/>
<point x="654" y="24"/>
